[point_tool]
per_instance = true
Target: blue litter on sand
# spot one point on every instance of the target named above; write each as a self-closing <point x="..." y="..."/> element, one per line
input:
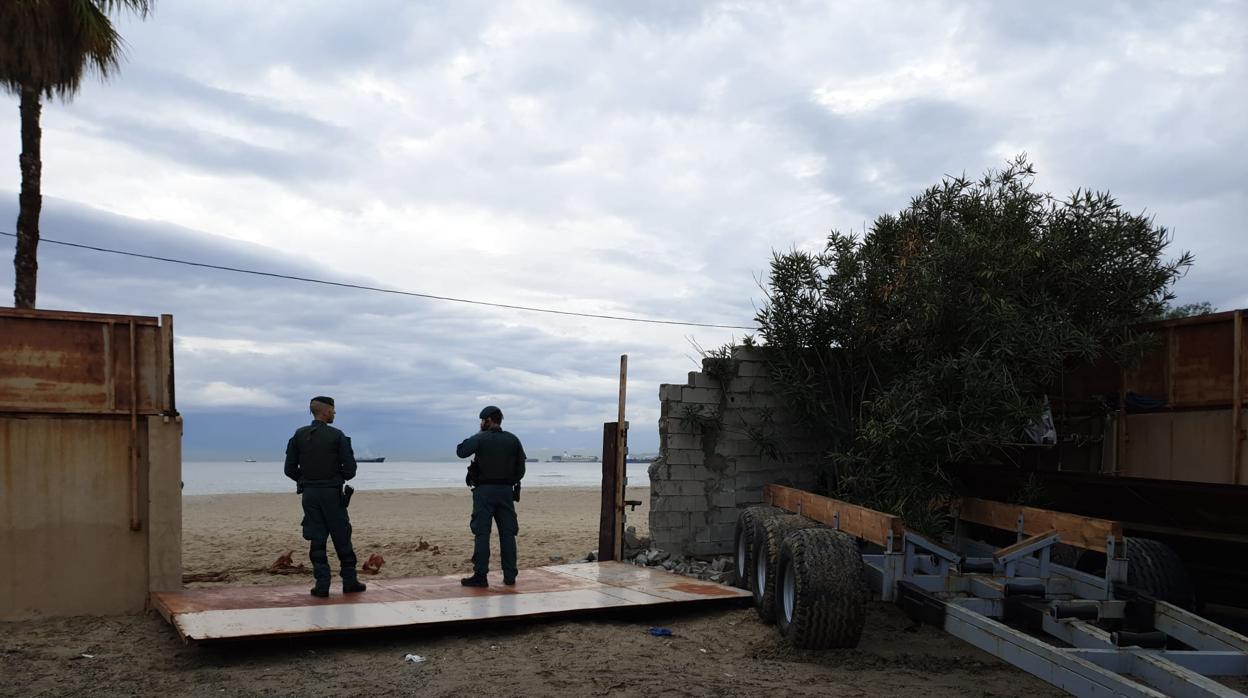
<point x="660" y="632"/>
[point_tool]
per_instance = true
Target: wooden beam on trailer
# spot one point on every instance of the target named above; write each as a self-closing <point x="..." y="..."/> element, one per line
<point x="857" y="521"/>
<point x="1080" y="531"/>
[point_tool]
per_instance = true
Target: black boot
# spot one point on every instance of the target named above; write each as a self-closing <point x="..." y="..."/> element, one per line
<point x="509" y="580"/>
<point x="476" y="580"/>
<point x="351" y="584"/>
<point x="320" y="569"/>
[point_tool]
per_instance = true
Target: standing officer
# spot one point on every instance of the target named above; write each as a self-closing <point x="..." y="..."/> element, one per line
<point x="319" y="459"/>
<point x="494" y="477"/>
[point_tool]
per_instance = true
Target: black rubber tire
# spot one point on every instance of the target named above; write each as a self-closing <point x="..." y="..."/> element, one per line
<point x="1152" y="567"/>
<point x="826" y="606"/>
<point x="743" y="540"/>
<point x="767" y="558"/>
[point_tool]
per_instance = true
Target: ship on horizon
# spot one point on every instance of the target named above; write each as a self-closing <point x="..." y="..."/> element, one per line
<point x="573" y="458"/>
<point x="378" y="459"/>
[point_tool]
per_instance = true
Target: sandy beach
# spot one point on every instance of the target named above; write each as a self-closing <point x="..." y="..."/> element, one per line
<point x="723" y="651"/>
<point x="418" y="532"/>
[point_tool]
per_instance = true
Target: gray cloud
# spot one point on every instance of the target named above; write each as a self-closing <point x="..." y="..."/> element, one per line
<point x="627" y="158"/>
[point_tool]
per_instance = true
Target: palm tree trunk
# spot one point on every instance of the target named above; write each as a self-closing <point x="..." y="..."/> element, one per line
<point x="30" y="201"/>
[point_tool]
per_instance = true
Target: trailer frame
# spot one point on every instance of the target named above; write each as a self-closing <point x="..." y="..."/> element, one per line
<point x="1101" y="637"/>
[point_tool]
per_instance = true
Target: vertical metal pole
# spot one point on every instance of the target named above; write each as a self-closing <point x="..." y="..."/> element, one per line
<point x="1237" y="403"/>
<point x="110" y="382"/>
<point x="136" y="522"/>
<point x="621" y="447"/>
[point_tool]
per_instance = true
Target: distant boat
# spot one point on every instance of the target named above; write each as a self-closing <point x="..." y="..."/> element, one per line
<point x="640" y="459"/>
<point x="379" y="459"/>
<point x="530" y="460"/>
<point x="249" y="460"/>
<point x="573" y="458"/>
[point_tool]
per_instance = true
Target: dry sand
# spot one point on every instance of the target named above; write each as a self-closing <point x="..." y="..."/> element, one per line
<point x="715" y="652"/>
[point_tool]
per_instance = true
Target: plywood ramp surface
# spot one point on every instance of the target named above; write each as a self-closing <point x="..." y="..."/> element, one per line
<point x="237" y="613"/>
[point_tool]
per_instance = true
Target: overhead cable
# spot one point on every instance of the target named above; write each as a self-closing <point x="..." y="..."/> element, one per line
<point x="376" y="289"/>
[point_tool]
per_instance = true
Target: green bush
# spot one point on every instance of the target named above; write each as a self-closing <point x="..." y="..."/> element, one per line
<point x="934" y="337"/>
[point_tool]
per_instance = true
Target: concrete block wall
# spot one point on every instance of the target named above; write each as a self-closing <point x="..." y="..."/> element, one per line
<point x="723" y="434"/>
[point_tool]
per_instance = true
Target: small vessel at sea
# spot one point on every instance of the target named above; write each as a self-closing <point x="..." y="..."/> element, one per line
<point x="378" y="459"/>
<point x="573" y="458"/>
<point x="530" y="460"/>
<point x="249" y="460"/>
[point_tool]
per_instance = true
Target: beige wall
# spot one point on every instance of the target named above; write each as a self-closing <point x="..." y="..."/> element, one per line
<point x="66" y="547"/>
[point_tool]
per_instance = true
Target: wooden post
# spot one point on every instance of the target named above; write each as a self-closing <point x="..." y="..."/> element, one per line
<point x="607" y="521"/>
<point x="1237" y="403"/>
<point x="614" y="448"/>
<point x="621" y="450"/>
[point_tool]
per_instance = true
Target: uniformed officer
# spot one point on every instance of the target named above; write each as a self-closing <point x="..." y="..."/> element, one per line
<point x="320" y="460"/>
<point x="494" y="477"/>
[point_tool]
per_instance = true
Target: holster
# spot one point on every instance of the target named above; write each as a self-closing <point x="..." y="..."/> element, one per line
<point x="347" y="491"/>
<point x="515" y="492"/>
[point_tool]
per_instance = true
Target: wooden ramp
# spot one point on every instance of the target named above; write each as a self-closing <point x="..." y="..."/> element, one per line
<point x="236" y="613"/>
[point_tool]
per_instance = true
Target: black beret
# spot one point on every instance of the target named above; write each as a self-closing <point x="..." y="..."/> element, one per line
<point x="321" y="398"/>
<point x="491" y="411"/>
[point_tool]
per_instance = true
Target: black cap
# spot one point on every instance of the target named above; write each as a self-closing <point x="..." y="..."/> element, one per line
<point x="321" y="398"/>
<point x="491" y="412"/>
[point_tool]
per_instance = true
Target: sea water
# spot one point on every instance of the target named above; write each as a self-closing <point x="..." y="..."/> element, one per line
<point x="200" y="477"/>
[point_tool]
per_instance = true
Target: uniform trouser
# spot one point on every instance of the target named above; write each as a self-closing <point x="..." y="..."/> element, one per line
<point x="492" y="503"/>
<point x="325" y="517"/>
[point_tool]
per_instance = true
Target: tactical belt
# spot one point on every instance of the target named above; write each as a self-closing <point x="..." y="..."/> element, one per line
<point x="494" y="482"/>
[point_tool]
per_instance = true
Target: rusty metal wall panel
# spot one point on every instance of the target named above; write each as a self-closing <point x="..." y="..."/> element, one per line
<point x="1203" y="363"/>
<point x="1191" y="365"/>
<point x="75" y="363"/>
<point x="66" y="547"/>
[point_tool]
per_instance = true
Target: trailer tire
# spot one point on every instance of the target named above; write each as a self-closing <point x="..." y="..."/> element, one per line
<point x="1152" y="567"/>
<point x="766" y="559"/>
<point x="744" y="537"/>
<point x="1155" y="568"/>
<point x="821" y="595"/>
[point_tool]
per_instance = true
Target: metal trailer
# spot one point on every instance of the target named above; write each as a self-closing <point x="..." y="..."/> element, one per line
<point x="1088" y="635"/>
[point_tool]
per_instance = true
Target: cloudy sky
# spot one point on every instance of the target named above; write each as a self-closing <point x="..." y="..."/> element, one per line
<point x="636" y="158"/>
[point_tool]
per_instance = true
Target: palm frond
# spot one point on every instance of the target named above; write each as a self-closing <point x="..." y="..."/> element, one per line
<point x="47" y="45"/>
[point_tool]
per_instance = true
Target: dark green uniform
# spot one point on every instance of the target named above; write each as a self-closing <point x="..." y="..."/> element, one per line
<point x="320" y="460"/>
<point x="499" y="467"/>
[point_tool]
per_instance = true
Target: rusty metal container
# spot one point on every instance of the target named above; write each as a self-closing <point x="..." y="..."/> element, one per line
<point x="90" y="463"/>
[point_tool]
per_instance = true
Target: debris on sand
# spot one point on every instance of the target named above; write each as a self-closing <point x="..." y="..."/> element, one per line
<point x="373" y="564"/>
<point x="220" y="576"/>
<point x="719" y="570"/>
<point x="285" y="564"/>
